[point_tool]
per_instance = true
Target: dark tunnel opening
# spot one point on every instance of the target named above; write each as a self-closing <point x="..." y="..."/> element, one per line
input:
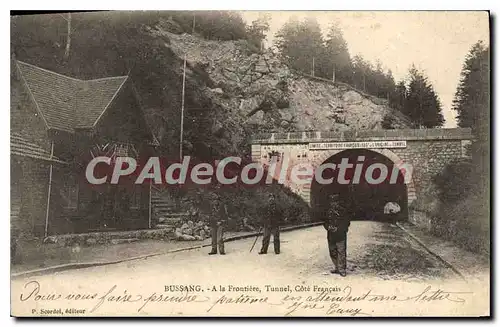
<point x="376" y="195"/>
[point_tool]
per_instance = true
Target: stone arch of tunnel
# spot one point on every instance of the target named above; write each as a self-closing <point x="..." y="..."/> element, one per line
<point x="370" y="199"/>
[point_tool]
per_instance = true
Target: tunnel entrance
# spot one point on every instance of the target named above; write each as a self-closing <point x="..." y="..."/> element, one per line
<point x="375" y="197"/>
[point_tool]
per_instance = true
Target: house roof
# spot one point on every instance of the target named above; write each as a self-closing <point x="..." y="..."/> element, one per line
<point x="21" y="146"/>
<point x="67" y="103"/>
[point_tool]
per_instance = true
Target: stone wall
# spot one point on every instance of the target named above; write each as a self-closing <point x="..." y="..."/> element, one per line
<point x="428" y="151"/>
<point x="32" y="179"/>
<point x="428" y="158"/>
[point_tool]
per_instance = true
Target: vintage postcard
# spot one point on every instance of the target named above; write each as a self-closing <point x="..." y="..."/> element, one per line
<point x="243" y="163"/>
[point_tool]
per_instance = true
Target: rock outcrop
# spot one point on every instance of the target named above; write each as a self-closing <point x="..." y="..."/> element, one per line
<point x="258" y="90"/>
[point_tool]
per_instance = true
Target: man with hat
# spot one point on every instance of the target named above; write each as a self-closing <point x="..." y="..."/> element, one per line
<point x="272" y="218"/>
<point x="337" y="222"/>
<point x="218" y="220"/>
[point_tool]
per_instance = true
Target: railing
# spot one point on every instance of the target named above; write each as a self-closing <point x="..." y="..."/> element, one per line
<point x="365" y="135"/>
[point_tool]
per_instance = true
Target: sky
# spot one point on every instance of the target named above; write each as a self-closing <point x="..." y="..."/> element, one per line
<point x="437" y="42"/>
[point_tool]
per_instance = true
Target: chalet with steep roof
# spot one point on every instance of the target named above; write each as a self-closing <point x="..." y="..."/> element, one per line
<point x="58" y="123"/>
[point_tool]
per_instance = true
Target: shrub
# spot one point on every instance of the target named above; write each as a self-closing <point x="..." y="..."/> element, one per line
<point x="463" y="213"/>
<point x="388" y="122"/>
<point x="455" y="181"/>
<point x="466" y="223"/>
<point x="245" y="202"/>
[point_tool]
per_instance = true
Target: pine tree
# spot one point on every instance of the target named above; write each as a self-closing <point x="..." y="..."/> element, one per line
<point x="465" y="185"/>
<point x="314" y="51"/>
<point x="472" y="96"/>
<point x="422" y="104"/>
<point x="472" y="103"/>
<point x="338" y="60"/>
<point x="300" y="44"/>
<point x="384" y="86"/>
<point x="361" y="72"/>
<point x="398" y="100"/>
<point x="389" y="86"/>
<point x="287" y="42"/>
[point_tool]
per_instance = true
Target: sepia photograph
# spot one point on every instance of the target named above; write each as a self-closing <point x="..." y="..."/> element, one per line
<point x="250" y="164"/>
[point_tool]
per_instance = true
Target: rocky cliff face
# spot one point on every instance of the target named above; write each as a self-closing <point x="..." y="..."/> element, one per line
<point x="255" y="92"/>
<point x="323" y="105"/>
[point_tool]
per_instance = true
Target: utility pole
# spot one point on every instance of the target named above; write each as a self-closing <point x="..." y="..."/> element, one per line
<point x="182" y="109"/>
<point x="313" y="68"/>
<point x="333" y="73"/>
<point x="194" y="22"/>
<point x="150" y="204"/>
<point x="49" y="191"/>
<point x="68" y="39"/>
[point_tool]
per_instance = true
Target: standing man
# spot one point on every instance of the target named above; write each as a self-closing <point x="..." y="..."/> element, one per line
<point x="218" y="220"/>
<point x="271" y="222"/>
<point x="337" y="223"/>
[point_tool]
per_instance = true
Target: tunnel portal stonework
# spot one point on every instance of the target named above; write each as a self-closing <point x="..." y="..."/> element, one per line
<point x="426" y="150"/>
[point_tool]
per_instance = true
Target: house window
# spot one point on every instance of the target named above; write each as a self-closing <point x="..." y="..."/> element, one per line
<point x="70" y="193"/>
<point x="135" y="199"/>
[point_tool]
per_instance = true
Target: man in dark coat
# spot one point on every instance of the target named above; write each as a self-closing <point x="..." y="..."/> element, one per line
<point x="218" y="220"/>
<point x="337" y="223"/>
<point x="272" y="218"/>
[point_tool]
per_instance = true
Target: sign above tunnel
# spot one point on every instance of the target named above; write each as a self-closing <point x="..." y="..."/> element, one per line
<point x="357" y="145"/>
